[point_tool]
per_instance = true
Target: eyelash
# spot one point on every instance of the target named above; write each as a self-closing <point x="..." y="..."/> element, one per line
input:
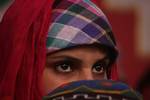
<point x="101" y="65"/>
<point x="74" y="66"/>
<point x="56" y="65"/>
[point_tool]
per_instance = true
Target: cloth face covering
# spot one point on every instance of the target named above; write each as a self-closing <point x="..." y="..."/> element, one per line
<point x="93" y="90"/>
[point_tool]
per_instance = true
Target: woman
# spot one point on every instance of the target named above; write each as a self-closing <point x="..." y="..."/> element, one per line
<point x="80" y="46"/>
<point x="86" y="42"/>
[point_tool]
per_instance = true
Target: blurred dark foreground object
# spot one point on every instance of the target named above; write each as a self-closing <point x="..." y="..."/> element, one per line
<point x="3" y="2"/>
<point x="93" y="90"/>
<point x="143" y="85"/>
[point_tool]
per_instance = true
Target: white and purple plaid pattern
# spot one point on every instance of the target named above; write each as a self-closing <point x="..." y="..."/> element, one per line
<point x="77" y="22"/>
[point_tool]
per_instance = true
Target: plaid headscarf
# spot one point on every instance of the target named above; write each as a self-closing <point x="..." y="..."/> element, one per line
<point x="77" y="22"/>
<point x="94" y="90"/>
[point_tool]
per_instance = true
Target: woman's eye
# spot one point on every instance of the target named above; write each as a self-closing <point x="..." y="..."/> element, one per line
<point x="64" y="68"/>
<point x="98" y="69"/>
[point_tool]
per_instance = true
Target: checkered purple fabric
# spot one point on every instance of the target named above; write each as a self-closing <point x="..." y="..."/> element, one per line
<point x="93" y="90"/>
<point x="77" y="22"/>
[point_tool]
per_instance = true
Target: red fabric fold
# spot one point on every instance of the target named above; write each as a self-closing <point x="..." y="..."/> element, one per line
<point x="23" y="33"/>
<point x="114" y="72"/>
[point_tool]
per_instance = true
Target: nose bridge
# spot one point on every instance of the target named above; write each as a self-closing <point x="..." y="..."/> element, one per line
<point x="86" y="74"/>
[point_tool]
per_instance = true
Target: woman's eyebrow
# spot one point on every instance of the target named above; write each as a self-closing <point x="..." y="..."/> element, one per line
<point x="65" y="57"/>
<point x="105" y="59"/>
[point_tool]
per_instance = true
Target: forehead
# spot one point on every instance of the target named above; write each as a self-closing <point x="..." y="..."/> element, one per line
<point x="80" y="51"/>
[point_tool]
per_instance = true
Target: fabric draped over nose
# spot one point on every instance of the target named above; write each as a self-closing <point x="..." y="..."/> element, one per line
<point x="93" y="90"/>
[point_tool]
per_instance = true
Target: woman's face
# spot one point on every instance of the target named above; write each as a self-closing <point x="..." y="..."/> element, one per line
<point x="72" y="65"/>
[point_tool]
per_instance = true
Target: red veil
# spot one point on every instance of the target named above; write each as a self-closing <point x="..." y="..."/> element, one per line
<point x="23" y="33"/>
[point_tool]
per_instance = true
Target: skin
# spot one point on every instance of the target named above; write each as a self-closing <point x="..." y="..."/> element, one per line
<point x="73" y="65"/>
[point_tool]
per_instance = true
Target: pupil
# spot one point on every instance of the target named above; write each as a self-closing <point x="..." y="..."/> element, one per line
<point x="64" y="66"/>
<point x="98" y="68"/>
